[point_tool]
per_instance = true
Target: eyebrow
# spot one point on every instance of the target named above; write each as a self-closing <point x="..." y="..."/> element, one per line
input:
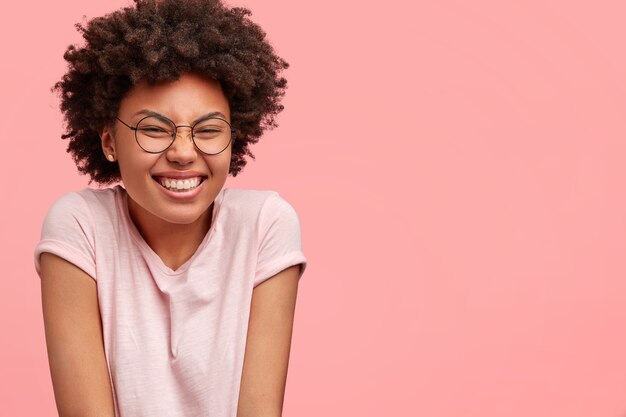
<point x="147" y="112"/>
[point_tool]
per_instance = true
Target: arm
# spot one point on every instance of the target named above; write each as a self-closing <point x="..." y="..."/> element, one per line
<point x="266" y="359"/>
<point x="80" y="377"/>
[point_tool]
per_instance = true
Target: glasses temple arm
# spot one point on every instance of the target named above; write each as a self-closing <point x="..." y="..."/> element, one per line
<point x="130" y="127"/>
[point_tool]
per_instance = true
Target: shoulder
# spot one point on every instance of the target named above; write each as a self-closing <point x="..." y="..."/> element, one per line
<point x="102" y="197"/>
<point x="80" y="204"/>
<point x="71" y="205"/>
<point x="260" y="205"/>
<point x="76" y="211"/>
<point x="87" y="197"/>
<point x="69" y="230"/>
<point x="254" y="198"/>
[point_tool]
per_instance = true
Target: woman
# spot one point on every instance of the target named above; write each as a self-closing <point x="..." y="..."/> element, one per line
<point x="151" y="291"/>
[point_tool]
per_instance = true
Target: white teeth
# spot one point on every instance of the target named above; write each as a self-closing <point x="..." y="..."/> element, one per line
<point x="176" y="185"/>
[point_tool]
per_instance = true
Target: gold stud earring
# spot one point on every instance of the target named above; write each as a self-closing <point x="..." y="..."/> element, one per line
<point x="110" y="157"/>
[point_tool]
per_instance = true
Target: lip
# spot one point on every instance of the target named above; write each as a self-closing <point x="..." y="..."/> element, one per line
<point x="181" y="195"/>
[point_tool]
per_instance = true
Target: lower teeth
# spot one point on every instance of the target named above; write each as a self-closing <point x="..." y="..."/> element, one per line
<point x="181" y="190"/>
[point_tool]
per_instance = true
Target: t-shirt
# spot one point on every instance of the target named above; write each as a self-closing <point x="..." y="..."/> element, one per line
<point x="175" y="340"/>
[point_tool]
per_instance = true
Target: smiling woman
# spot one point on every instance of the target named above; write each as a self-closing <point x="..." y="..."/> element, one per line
<point x="158" y="209"/>
<point x="157" y="297"/>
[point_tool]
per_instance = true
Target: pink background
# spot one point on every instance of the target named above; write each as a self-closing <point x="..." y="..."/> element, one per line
<point x="458" y="168"/>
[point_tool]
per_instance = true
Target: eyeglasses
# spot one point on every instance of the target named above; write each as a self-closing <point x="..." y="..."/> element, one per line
<point x="156" y="133"/>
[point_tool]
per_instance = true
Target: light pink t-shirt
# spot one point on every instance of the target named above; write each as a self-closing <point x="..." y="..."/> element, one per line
<point x="175" y="340"/>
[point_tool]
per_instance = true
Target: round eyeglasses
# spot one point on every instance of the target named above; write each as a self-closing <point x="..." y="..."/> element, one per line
<point x="155" y="134"/>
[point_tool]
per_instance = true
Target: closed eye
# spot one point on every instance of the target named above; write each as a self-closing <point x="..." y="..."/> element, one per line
<point x="152" y="129"/>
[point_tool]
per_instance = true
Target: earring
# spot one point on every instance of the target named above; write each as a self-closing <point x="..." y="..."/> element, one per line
<point x="110" y="157"/>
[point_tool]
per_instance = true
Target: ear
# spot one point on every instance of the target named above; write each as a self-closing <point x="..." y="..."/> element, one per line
<point x="107" y="141"/>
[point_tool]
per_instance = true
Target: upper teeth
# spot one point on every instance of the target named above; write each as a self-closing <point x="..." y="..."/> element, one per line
<point x="180" y="184"/>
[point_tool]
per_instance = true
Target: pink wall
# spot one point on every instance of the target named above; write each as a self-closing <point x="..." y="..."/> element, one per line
<point x="459" y="172"/>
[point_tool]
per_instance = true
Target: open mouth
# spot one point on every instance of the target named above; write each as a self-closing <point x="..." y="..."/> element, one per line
<point x="179" y="185"/>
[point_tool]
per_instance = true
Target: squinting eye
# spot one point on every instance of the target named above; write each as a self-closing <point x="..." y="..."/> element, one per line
<point x="156" y="132"/>
<point x="152" y="129"/>
<point x="208" y="132"/>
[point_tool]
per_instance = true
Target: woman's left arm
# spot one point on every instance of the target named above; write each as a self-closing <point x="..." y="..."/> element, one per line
<point x="266" y="359"/>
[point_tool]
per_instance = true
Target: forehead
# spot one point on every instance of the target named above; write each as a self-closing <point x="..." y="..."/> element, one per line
<point x="182" y="100"/>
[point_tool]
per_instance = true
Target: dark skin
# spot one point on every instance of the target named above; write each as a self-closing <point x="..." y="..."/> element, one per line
<point x="173" y="228"/>
<point x="135" y="45"/>
<point x="156" y="42"/>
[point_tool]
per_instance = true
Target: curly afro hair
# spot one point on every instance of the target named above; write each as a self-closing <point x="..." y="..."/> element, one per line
<point x="158" y="41"/>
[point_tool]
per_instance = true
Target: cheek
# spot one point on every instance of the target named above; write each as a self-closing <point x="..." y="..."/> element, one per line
<point x="219" y="165"/>
<point x="135" y="168"/>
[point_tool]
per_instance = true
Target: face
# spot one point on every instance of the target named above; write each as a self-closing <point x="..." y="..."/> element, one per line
<point x="183" y="101"/>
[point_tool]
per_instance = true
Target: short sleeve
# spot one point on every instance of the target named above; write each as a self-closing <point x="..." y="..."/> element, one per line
<point x="280" y="242"/>
<point x="67" y="232"/>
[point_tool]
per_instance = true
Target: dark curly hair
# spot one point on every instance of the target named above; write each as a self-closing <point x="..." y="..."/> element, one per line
<point x="157" y="41"/>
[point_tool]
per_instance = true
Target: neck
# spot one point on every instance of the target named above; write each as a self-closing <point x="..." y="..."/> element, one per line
<point x="174" y="243"/>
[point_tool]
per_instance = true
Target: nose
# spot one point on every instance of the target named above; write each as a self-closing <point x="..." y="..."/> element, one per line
<point x="183" y="151"/>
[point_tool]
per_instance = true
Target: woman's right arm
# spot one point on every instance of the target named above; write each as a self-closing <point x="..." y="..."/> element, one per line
<point x="73" y="328"/>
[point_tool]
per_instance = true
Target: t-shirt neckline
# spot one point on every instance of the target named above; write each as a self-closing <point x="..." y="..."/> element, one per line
<point x="147" y="250"/>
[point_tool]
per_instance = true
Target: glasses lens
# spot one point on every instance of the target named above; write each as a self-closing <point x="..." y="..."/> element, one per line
<point x="212" y="136"/>
<point x="155" y="134"/>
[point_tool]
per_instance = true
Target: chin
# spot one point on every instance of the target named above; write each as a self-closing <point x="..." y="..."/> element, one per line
<point x="184" y="211"/>
<point x="183" y="217"/>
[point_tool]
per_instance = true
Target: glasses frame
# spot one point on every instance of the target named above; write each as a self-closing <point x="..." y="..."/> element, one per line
<point x="135" y="128"/>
